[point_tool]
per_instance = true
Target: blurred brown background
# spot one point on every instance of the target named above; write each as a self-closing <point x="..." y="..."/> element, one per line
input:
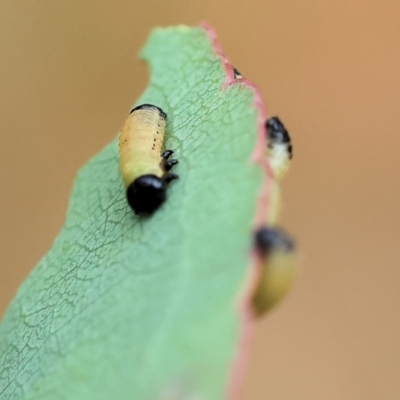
<point x="330" y="69"/>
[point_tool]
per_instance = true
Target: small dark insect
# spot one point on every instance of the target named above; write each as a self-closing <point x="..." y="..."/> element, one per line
<point x="280" y="149"/>
<point x="279" y="265"/>
<point x="236" y="74"/>
<point x="145" y="170"/>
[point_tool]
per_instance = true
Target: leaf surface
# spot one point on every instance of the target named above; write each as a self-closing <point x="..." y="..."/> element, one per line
<point x="128" y="307"/>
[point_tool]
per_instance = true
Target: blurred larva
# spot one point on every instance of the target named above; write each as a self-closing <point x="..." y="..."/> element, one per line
<point x="279" y="148"/>
<point x="279" y="265"/>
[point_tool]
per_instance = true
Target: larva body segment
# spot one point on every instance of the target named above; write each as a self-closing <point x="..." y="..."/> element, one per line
<point x="140" y="142"/>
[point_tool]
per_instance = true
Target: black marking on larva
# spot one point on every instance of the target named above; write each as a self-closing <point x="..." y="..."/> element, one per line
<point x="276" y="131"/>
<point x="267" y="239"/>
<point x="146" y="106"/>
<point x="290" y="150"/>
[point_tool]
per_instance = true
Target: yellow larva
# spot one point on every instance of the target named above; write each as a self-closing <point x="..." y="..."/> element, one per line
<point x="277" y="252"/>
<point x="144" y="168"/>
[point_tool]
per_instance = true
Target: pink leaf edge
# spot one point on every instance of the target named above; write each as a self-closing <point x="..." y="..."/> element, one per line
<point x="247" y="316"/>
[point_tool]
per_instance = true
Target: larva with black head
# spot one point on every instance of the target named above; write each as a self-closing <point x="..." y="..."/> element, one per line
<point x="279" y="147"/>
<point x="144" y="168"/>
<point x="278" y="255"/>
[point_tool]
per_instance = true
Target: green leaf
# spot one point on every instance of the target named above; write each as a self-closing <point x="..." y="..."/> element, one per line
<point x="128" y="307"/>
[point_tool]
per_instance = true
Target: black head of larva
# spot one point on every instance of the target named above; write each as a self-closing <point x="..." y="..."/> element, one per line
<point x="271" y="239"/>
<point x="146" y="106"/>
<point x="276" y="130"/>
<point x="146" y="194"/>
